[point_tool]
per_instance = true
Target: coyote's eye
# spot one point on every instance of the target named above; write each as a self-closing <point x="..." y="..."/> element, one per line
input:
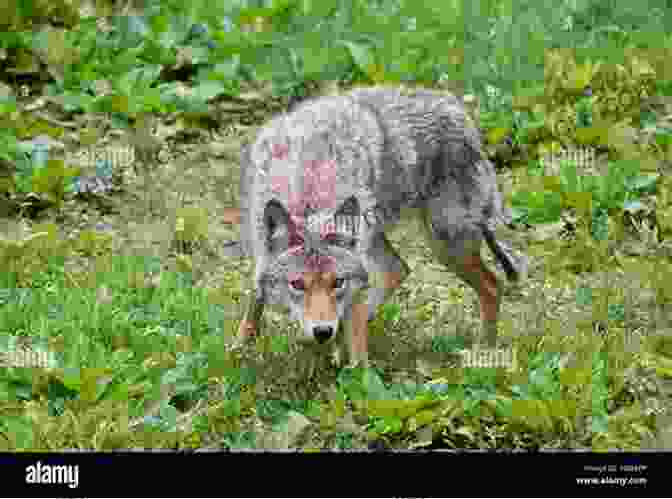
<point x="297" y="284"/>
<point x="339" y="283"/>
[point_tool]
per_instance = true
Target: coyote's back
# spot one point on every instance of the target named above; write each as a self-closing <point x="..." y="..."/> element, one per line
<point x="388" y="147"/>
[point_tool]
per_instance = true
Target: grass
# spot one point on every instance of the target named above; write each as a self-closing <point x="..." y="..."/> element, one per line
<point x="151" y="345"/>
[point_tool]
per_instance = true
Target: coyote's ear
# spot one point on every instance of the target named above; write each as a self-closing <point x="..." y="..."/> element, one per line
<point x="276" y="225"/>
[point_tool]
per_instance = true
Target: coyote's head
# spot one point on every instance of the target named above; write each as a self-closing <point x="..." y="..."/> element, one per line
<point x="312" y="265"/>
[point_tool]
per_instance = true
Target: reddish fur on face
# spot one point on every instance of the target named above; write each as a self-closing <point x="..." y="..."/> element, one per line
<point x="320" y="296"/>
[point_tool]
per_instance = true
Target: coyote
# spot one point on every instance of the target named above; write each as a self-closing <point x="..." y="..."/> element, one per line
<point x="320" y="186"/>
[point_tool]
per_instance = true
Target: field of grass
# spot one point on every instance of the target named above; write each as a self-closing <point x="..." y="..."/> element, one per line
<point x="119" y="153"/>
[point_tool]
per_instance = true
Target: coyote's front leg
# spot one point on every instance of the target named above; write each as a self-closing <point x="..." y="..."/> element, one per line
<point x="249" y="324"/>
<point x="354" y="339"/>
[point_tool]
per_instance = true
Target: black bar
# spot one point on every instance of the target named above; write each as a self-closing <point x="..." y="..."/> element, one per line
<point x="345" y="474"/>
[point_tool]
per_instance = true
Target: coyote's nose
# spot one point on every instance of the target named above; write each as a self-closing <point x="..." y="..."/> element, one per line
<point x="323" y="333"/>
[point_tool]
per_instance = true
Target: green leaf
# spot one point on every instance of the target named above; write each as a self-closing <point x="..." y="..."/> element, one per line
<point x="584" y="295"/>
<point x="74" y="101"/>
<point x="199" y="55"/>
<point x="374" y="385"/>
<point x="580" y="201"/>
<point x="390" y="425"/>
<point x="280" y="344"/>
<point x="361" y="384"/>
<point x="628" y="167"/>
<point x="94" y="382"/>
<point x="538" y="207"/>
<point x="139" y="78"/>
<point x="643" y="183"/>
<point x="663" y="138"/>
<point x="230" y="42"/>
<point x="610" y="190"/>
<point x="391" y="311"/>
<point x="361" y="55"/>
<point x="319" y="8"/>
<point x="599" y="227"/>
<point x="209" y="90"/>
<point x="19" y="429"/>
<point x="315" y="58"/>
<point x="72" y="378"/>
<point x="52" y="179"/>
<point x="571" y="181"/>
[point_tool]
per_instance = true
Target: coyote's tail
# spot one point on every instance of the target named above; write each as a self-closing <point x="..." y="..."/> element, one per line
<point x="514" y="263"/>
